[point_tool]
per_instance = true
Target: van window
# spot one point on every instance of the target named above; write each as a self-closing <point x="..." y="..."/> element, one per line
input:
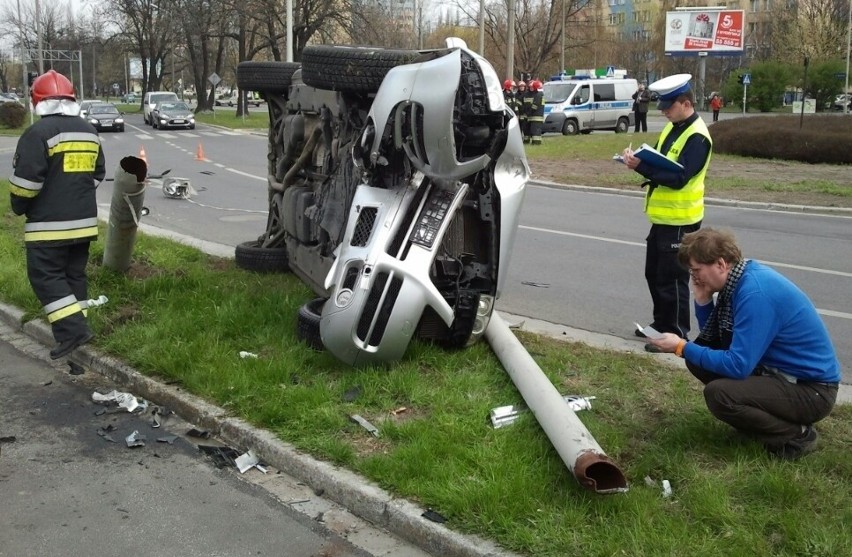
<point x="604" y="92"/>
<point x="582" y="95"/>
<point x="557" y="92"/>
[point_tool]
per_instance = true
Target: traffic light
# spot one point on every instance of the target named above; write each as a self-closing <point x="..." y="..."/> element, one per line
<point x="31" y="76"/>
<point x="740" y="79"/>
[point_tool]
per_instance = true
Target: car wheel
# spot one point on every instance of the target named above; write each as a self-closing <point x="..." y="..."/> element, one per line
<point x="192" y="127"/>
<point x="271" y="77"/>
<point x="622" y="125"/>
<point x="308" y="324"/>
<point x="154" y="124"/>
<point x="570" y="127"/>
<point x="252" y="257"/>
<point x="354" y="69"/>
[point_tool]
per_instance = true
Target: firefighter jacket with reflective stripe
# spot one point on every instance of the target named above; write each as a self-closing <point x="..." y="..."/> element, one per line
<point x="536" y="110"/>
<point x="58" y="165"/>
<point x="665" y="205"/>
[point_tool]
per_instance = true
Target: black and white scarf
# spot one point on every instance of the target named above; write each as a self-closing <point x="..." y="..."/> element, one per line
<point x="718" y="331"/>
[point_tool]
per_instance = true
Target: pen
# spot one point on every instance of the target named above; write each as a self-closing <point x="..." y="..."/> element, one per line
<point x="630" y="146"/>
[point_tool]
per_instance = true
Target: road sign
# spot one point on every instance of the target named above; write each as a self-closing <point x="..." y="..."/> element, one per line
<point x="840" y="75"/>
<point x="214" y="79"/>
<point x="610" y="71"/>
<point x="747" y="79"/>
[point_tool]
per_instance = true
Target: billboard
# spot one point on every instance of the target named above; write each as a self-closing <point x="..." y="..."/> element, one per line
<point x="714" y="32"/>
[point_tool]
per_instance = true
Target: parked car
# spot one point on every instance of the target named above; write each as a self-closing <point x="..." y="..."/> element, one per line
<point x="151" y="99"/>
<point x="840" y="100"/>
<point x="396" y="179"/>
<point x="172" y="114"/>
<point x="129" y="98"/>
<point x="105" y="117"/>
<point x="234" y="99"/>
<point x="10" y="98"/>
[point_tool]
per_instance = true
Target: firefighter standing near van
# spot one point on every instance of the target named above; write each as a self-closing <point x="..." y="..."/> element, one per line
<point x="523" y="109"/>
<point x="674" y="202"/>
<point x="509" y="96"/>
<point x="58" y="164"/>
<point x="536" y="113"/>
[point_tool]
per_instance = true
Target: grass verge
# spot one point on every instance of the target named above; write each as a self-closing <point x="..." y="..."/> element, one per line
<point x="183" y="316"/>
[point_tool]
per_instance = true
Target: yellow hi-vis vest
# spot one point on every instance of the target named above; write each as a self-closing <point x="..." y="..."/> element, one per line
<point x="665" y="205"/>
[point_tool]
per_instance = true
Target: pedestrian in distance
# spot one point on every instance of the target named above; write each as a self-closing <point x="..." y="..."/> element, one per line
<point x="641" y="102"/>
<point x="765" y="357"/>
<point x="674" y="202"/>
<point x="716" y="106"/>
<point x="58" y="164"/>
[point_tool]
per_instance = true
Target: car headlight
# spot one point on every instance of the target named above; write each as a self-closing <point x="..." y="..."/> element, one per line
<point x="492" y="84"/>
<point x="93" y="121"/>
<point x="119" y="120"/>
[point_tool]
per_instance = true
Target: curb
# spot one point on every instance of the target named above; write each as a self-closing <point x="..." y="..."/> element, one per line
<point x="358" y="495"/>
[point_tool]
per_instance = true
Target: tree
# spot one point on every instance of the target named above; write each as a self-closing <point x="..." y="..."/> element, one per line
<point x="812" y="28"/>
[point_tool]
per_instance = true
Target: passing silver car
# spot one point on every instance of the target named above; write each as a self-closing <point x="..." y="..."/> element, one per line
<point x="172" y="114"/>
<point x="396" y="179"/>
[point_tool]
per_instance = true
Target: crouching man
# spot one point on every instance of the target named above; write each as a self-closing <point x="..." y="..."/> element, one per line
<point x="764" y="355"/>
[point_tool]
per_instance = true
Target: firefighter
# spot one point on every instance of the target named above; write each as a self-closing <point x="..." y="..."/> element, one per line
<point x="535" y="116"/>
<point x="509" y="94"/>
<point x="523" y="101"/>
<point x="58" y="163"/>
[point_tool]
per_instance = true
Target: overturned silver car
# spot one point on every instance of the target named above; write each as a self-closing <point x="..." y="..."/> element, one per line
<point x="396" y="179"/>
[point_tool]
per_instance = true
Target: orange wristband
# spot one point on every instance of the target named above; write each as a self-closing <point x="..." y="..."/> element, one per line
<point x="679" y="350"/>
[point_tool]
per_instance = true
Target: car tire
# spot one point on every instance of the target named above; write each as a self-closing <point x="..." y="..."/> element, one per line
<point x="622" y="125"/>
<point x="353" y="69"/>
<point x="266" y="77"/>
<point x="308" y="324"/>
<point x="250" y="256"/>
<point x="570" y="127"/>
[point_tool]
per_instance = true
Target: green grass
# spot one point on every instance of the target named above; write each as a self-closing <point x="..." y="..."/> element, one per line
<point x="183" y="316"/>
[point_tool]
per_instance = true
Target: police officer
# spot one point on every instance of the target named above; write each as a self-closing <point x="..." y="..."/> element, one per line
<point x="58" y="164"/>
<point x="536" y="112"/>
<point x="674" y="202"/>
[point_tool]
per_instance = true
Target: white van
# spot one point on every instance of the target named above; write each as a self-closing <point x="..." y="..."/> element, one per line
<point x="572" y="106"/>
<point x="152" y="98"/>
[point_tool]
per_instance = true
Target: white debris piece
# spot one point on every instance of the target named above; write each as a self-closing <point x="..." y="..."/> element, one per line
<point x="99" y="301"/>
<point x="667" y="488"/>
<point x="244" y="354"/>
<point x="246" y="461"/>
<point x="124" y="400"/>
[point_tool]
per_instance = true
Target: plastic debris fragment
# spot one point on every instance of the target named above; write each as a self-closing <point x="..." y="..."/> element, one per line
<point x="99" y="301"/>
<point x="507" y="415"/>
<point x="365" y="424"/>
<point x="222" y="456"/>
<point x="246" y="461"/>
<point x="244" y="354"/>
<point x="200" y="433"/>
<point x="124" y="400"/>
<point x="135" y="439"/>
<point x="667" y="488"/>
<point x="429" y="514"/>
<point x="170" y="439"/>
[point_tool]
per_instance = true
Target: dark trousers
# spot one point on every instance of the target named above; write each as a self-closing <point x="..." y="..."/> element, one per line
<point x="715" y="115"/>
<point x="668" y="282"/>
<point x="57" y="273"/>
<point x="766" y="407"/>
<point x="641" y="121"/>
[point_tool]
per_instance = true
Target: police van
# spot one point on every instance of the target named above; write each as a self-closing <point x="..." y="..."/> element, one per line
<point x="582" y="103"/>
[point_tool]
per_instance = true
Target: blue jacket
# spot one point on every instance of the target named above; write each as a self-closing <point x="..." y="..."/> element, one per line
<point x="775" y="325"/>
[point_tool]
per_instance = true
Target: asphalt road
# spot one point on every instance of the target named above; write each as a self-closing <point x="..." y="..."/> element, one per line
<point x="578" y="257"/>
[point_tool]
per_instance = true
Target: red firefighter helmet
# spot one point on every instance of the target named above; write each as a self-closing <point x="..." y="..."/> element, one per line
<point x="535" y="85"/>
<point x="51" y="85"/>
<point x="508" y="85"/>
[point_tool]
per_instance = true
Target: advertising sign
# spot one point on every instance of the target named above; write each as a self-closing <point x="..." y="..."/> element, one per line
<point x="714" y="32"/>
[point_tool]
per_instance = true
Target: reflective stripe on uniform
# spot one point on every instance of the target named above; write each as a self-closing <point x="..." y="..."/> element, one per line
<point x="23" y="187"/>
<point x="60" y="230"/>
<point x="62" y="308"/>
<point x="79" y="150"/>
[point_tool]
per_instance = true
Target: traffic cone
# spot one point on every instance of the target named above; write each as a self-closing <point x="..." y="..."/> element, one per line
<point x="142" y="155"/>
<point x="199" y="154"/>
